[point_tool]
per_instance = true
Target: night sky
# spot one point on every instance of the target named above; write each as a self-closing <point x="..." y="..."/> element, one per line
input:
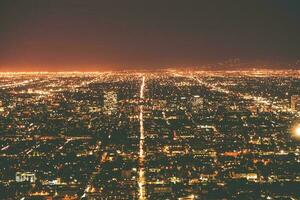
<point x="127" y="34"/>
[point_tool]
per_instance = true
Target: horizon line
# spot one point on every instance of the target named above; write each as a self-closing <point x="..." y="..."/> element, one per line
<point x="138" y="70"/>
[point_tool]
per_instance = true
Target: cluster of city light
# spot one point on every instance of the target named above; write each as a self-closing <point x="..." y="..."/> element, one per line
<point x="215" y="87"/>
<point x="150" y="94"/>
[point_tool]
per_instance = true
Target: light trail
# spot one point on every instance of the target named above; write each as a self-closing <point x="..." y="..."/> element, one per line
<point x="89" y="188"/>
<point x="18" y="84"/>
<point x="142" y="88"/>
<point x="141" y="180"/>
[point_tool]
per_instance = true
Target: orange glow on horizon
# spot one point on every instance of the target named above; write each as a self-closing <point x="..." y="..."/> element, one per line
<point x="59" y="68"/>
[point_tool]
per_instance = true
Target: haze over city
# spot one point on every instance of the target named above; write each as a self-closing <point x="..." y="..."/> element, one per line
<point x="64" y="35"/>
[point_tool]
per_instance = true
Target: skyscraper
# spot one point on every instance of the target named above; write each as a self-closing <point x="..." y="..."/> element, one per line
<point x="110" y="102"/>
<point x="1" y="106"/>
<point x="196" y="103"/>
<point x="295" y="103"/>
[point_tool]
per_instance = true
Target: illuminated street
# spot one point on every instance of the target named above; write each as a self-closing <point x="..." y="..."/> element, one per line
<point x="141" y="181"/>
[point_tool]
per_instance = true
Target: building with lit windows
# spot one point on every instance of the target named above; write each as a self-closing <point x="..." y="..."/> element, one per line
<point x="110" y="102"/>
<point x="25" y="176"/>
<point x="295" y="103"/>
<point x="196" y="103"/>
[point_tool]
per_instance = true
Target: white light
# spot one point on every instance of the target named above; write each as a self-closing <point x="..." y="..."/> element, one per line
<point x="297" y="131"/>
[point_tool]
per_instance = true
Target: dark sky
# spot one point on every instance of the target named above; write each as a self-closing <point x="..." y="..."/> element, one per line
<point x="95" y="34"/>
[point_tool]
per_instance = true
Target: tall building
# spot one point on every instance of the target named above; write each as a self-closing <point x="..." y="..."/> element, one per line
<point x="295" y="103"/>
<point x="1" y="106"/>
<point x="110" y="102"/>
<point x="25" y="176"/>
<point x="196" y="103"/>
